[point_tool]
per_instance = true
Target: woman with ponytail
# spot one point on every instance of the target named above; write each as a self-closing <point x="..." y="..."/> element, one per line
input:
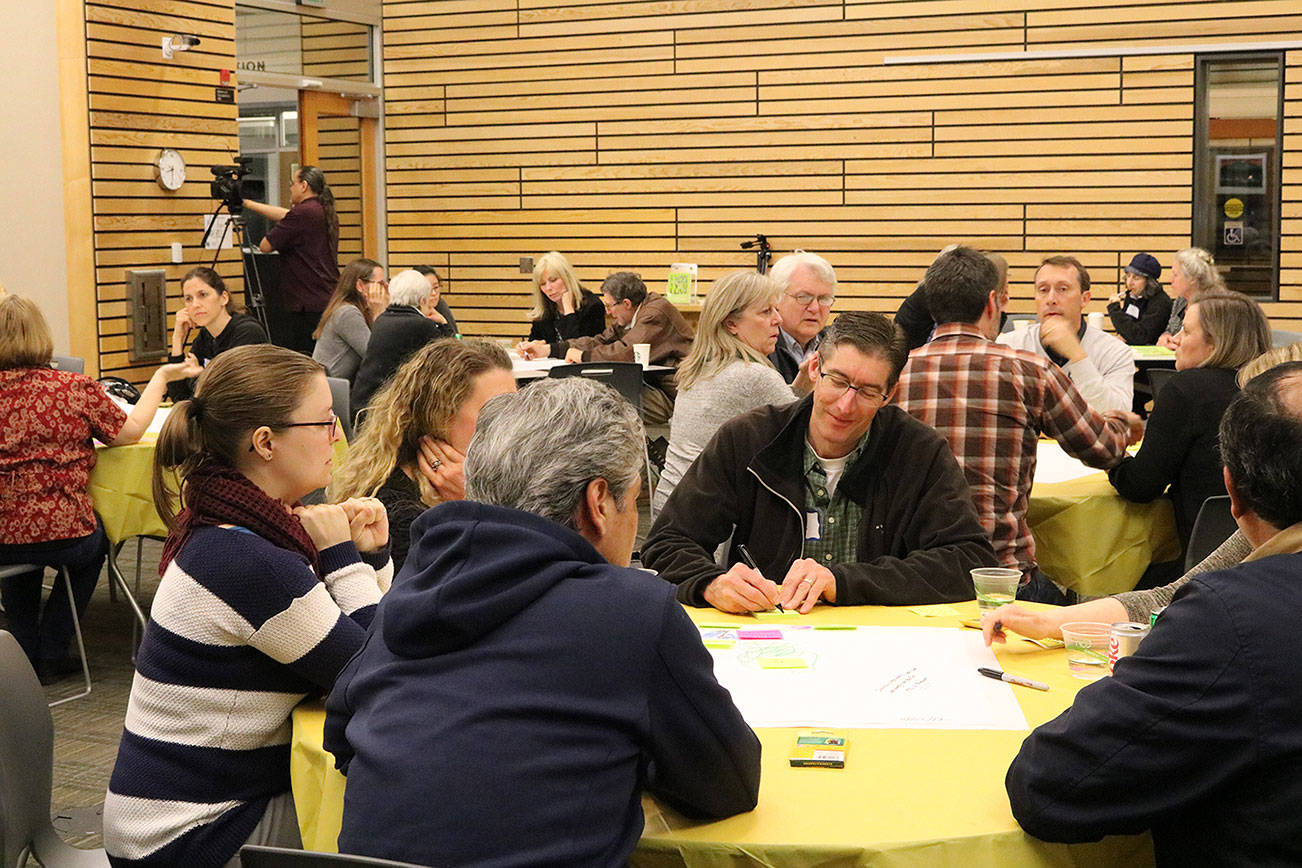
<point x="262" y="601"/>
<point x="47" y="451"/>
<point x="307" y="238"/>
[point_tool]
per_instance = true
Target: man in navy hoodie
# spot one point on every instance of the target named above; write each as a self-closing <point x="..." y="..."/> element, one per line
<point x="1198" y="735"/>
<point x="520" y="685"/>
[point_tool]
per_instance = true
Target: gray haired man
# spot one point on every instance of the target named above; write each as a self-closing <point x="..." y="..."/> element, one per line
<point x="808" y="291"/>
<point x="520" y="676"/>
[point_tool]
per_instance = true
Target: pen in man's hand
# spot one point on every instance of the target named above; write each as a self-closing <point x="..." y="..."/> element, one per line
<point x="750" y="562"/>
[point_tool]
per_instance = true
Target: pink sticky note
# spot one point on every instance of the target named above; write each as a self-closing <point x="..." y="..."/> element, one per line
<point x="752" y="633"/>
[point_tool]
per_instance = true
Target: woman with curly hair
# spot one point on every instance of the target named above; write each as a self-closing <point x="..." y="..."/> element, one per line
<point x="409" y="453"/>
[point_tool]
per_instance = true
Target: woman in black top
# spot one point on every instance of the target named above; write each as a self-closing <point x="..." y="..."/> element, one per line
<point x="562" y="310"/>
<point x="410" y="451"/>
<point x="1140" y="311"/>
<point x="1222" y="332"/>
<point x="207" y="308"/>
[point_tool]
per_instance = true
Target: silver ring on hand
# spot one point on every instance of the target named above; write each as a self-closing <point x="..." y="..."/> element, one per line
<point x="436" y="463"/>
<point x="806" y="581"/>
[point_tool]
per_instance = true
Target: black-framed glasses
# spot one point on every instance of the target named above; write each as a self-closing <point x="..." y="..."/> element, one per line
<point x="838" y="385"/>
<point x="332" y="423"/>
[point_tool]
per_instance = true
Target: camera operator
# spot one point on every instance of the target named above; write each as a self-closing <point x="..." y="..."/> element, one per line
<point x="307" y="238"/>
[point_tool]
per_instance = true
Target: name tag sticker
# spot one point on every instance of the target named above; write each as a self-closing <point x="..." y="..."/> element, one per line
<point x="813" y="527"/>
<point x="1132" y="311"/>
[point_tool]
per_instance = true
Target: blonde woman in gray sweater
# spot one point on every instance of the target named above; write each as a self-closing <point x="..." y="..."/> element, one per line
<point x="727" y="372"/>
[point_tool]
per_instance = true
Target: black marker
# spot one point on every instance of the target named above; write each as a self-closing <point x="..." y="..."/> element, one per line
<point x="750" y="562"/>
<point x="1012" y="679"/>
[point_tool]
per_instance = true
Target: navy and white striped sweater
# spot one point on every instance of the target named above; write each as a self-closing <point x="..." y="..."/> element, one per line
<point x="240" y="632"/>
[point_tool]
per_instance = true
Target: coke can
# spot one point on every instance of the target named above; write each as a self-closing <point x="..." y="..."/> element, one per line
<point x="1124" y="639"/>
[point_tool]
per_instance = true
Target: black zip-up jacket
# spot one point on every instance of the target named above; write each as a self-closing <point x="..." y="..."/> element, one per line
<point x="919" y="537"/>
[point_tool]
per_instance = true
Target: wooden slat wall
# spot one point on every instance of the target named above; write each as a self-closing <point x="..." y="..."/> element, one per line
<point x="140" y="103"/>
<point x="339" y="49"/>
<point x="635" y="134"/>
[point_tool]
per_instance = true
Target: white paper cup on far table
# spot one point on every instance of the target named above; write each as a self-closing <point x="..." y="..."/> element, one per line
<point x="1087" y="648"/>
<point x="995" y="586"/>
<point x="642" y="355"/>
<point x="1095" y="320"/>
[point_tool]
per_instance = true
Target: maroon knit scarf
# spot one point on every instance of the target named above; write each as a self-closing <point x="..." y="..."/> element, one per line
<point x="216" y="495"/>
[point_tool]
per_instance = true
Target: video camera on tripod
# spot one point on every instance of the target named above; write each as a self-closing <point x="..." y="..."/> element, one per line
<point x="227" y="186"/>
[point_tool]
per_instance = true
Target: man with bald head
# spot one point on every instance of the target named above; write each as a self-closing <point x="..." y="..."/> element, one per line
<point x="808" y="290"/>
<point x="1196" y="736"/>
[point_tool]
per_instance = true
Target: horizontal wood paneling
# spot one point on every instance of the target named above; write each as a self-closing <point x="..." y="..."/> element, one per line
<point x="140" y="103"/>
<point x="636" y="134"/>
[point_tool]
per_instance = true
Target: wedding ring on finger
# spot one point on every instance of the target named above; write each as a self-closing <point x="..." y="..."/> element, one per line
<point x="436" y="463"/>
<point x="806" y="581"/>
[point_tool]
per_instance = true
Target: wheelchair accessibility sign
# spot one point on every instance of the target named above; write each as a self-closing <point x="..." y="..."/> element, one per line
<point x="1233" y="234"/>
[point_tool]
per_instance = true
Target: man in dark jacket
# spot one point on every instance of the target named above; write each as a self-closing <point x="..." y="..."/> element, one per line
<point x="1197" y="735"/>
<point x="520" y="684"/>
<point x="837" y="497"/>
<point x="808" y="285"/>
<point x="395" y="335"/>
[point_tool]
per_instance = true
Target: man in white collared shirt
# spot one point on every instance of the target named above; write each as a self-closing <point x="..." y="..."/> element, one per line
<point x="1100" y="365"/>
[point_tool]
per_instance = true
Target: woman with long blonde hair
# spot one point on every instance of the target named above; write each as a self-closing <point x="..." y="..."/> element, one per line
<point x="727" y="372"/>
<point x="410" y="451"/>
<point x="562" y="308"/>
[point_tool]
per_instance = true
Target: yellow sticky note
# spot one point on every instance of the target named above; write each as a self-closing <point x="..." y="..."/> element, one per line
<point x="942" y="610"/>
<point x="775" y="615"/>
<point x="783" y="663"/>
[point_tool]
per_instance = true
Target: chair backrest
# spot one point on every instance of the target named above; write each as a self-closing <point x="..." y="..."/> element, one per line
<point x="26" y="753"/>
<point x="1159" y="377"/>
<point x="1282" y="338"/>
<point x="1213" y="526"/>
<point x="340" y="404"/>
<point x="69" y="363"/>
<point x="254" y="856"/>
<point x="623" y="377"/>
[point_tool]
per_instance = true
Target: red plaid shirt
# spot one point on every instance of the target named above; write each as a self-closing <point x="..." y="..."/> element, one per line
<point x="992" y="403"/>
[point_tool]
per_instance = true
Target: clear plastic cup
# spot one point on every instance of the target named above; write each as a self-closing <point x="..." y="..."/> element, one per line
<point x="995" y="586"/>
<point x="1087" y="648"/>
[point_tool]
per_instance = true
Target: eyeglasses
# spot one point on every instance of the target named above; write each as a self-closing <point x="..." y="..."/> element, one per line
<point x="838" y="385"/>
<point x="332" y="423"/>
<point x="803" y="299"/>
<point x="381" y="282"/>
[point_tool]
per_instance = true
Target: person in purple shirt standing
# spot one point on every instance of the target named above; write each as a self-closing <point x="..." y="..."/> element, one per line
<point x="307" y="238"/>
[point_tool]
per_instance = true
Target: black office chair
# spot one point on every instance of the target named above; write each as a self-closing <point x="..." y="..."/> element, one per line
<point x="342" y="408"/>
<point x="623" y="377"/>
<point x="254" y="856"/>
<point x="68" y="363"/>
<point x="1213" y="526"/>
<point x="1159" y="377"/>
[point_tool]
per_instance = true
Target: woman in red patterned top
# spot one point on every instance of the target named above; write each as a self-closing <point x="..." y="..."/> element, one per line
<point x="48" y="419"/>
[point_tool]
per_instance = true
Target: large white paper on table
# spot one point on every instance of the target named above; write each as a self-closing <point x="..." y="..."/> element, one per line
<point x="869" y="678"/>
<point x="1052" y="464"/>
<point x="518" y="364"/>
<point x="160" y="415"/>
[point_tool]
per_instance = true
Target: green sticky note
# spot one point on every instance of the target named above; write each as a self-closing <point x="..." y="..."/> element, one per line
<point x="940" y="610"/>
<point x="835" y="627"/>
<point x="720" y="643"/>
<point x="783" y="663"/>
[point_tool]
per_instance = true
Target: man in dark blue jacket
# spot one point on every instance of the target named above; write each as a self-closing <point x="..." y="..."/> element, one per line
<point x="520" y="684"/>
<point x="1198" y="735"/>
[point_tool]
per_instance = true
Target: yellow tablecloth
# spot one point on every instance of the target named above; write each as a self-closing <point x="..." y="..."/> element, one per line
<point x="905" y="797"/>
<point x="122" y="487"/>
<point x="1094" y="541"/>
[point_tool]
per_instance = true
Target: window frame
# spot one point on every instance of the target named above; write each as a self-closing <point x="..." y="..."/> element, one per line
<point x="1202" y="174"/>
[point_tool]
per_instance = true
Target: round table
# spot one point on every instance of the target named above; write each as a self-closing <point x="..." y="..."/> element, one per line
<point x="905" y="797"/>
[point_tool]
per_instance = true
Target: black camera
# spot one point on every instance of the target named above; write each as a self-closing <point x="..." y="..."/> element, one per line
<point x="227" y="184"/>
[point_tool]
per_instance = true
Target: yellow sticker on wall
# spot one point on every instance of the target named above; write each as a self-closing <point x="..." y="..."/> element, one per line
<point x="1233" y="208"/>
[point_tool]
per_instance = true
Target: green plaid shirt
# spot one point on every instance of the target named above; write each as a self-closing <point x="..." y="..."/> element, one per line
<point x="838" y="516"/>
